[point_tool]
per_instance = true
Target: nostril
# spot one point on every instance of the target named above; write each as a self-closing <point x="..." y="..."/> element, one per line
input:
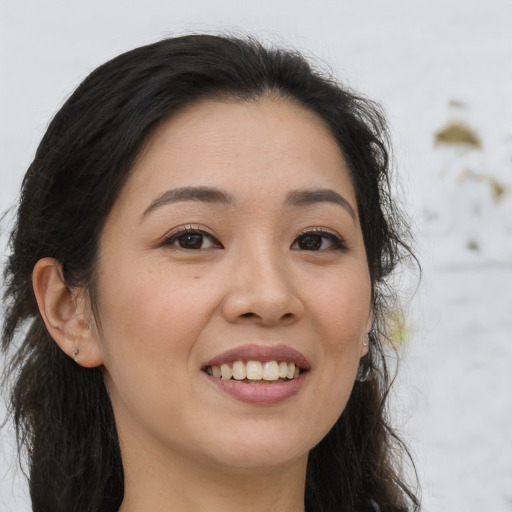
<point x="286" y="316"/>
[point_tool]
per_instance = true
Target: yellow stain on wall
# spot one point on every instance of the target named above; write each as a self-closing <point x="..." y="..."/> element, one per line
<point x="396" y="326"/>
<point x="497" y="189"/>
<point x="457" y="133"/>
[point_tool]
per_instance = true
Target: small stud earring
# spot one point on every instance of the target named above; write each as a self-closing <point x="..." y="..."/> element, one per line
<point x="75" y="353"/>
<point x="364" y="369"/>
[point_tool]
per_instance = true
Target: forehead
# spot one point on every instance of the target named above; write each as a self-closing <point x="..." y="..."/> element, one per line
<point x="241" y="147"/>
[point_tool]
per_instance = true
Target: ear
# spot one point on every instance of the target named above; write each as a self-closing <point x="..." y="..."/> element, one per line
<point x="365" y="345"/>
<point x="67" y="314"/>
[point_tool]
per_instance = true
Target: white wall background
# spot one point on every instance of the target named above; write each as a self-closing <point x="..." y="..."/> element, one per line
<point x="454" y="396"/>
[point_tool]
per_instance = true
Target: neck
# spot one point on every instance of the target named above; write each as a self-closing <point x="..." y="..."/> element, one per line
<point x="190" y="486"/>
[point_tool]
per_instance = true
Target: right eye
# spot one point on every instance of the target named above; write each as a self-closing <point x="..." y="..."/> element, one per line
<point x="191" y="239"/>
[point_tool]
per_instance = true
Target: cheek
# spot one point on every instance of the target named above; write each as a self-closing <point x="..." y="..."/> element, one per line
<point x="153" y="314"/>
<point x="342" y="308"/>
<point x="148" y="331"/>
<point x="342" y="314"/>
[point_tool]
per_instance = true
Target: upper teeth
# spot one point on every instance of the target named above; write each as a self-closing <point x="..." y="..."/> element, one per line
<point x="255" y="370"/>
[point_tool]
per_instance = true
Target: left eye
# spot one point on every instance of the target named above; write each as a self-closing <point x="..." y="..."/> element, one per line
<point x="318" y="241"/>
<point x="191" y="240"/>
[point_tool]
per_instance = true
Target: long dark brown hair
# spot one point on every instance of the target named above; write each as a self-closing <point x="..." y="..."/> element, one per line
<point x="64" y="420"/>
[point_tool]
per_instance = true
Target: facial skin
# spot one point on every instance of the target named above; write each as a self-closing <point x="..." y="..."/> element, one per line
<point x="249" y="275"/>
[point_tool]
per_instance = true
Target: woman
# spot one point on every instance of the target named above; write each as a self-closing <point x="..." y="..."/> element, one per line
<point x="197" y="270"/>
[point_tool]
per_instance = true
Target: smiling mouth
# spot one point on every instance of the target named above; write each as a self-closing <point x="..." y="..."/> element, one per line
<point x="255" y="372"/>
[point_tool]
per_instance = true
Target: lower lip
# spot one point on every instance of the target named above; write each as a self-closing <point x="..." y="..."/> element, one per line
<point x="260" y="394"/>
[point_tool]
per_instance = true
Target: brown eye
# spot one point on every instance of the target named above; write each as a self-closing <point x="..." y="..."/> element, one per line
<point x="310" y="242"/>
<point x="191" y="240"/>
<point x="319" y="241"/>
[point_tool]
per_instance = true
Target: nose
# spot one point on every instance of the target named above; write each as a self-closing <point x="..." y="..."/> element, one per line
<point x="262" y="290"/>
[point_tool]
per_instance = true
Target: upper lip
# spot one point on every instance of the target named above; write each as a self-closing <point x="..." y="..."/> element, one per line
<point x="261" y="353"/>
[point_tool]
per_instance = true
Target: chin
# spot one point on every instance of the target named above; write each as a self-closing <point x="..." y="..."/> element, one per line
<point x="262" y="447"/>
<point x="252" y="458"/>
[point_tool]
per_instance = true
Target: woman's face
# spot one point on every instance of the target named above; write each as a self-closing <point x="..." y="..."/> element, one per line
<point x="235" y="246"/>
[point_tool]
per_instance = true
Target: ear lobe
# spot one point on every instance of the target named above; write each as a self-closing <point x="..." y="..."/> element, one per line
<point x="365" y="346"/>
<point x="66" y="314"/>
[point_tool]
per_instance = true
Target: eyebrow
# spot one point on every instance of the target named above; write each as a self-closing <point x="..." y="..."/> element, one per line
<point x="176" y="195"/>
<point x="215" y="195"/>
<point x="309" y="197"/>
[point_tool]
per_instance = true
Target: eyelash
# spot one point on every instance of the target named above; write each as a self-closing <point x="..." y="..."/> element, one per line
<point x="336" y="241"/>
